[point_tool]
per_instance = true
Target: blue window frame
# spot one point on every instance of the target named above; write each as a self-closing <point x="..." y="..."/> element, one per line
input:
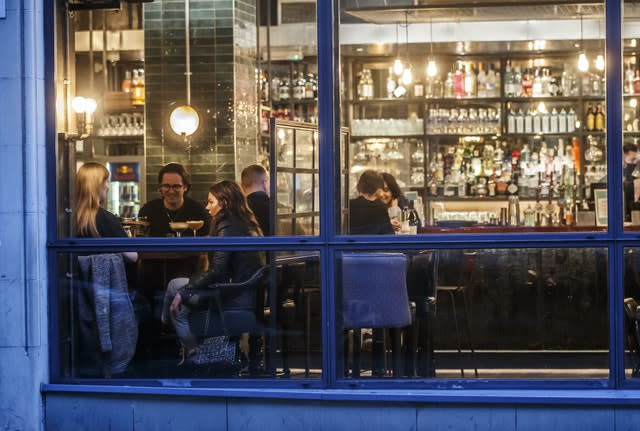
<point x="330" y="242"/>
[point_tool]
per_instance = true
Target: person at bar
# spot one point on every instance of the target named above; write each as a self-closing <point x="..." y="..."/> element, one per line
<point x="254" y="180"/>
<point x="231" y="217"/>
<point x="391" y="194"/>
<point x="173" y="205"/>
<point x="631" y="183"/>
<point x="367" y="213"/>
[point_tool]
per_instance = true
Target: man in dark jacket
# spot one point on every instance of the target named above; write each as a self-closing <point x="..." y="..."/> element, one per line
<point x="255" y="185"/>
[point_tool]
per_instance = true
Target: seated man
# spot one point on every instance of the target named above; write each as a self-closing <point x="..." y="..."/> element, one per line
<point x="255" y="186"/>
<point x="367" y="214"/>
<point x="173" y="206"/>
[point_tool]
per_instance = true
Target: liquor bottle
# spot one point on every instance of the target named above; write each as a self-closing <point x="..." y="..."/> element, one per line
<point x="536" y="86"/>
<point x="629" y="77"/>
<point x="470" y="82"/>
<point x="413" y="218"/>
<point x="562" y="121"/>
<point x="527" y="83"/>
<point x="309" y="87"/>
<point x="575" y="154"/>
<point x="458" y="82"/>
<point x="481" y="81"/>
<point x="492" y="82"/>
<point x="448" y="86"/>
<point x="590" y="119"/>
<point x="517" y="82"/>
<point x="298" y="86"/>
<point x="554" y="120"/>
<point x="599" y="120"/>
<point x="285" y="89"/>
<point x="571" y="121"/>
<point x="137" y="88"/>
<point x="509" y="82"/>
<point x="275" y="89"/>
<point x="545" y="81"/>
<point x="125" y="86"/>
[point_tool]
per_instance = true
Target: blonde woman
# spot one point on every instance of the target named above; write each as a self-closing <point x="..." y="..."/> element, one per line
<point x="91" y="220"/>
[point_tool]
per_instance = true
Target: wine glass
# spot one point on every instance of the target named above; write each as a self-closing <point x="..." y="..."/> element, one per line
<point x="178" y="227"/>
<point x="194" y="225"/>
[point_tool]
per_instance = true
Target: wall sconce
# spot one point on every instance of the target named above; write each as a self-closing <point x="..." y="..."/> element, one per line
<point x="84" y="107"/>
<point x="184" y="121"/>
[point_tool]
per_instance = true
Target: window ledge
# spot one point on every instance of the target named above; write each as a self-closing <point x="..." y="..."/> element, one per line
<point x="453" y="396"/>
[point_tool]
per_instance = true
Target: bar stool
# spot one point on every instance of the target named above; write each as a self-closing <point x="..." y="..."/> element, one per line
<point x="458" y="290"/>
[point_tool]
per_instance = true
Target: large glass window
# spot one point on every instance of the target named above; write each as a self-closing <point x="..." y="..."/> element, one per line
<point x="120" y="319"/>
<point x="487" y="313"/>
<point x="479" y="119"/>
<point x="178" y="120"/>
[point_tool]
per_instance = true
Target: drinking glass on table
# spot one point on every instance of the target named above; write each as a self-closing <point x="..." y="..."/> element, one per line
<point x="194" y="225"/>
<point x="178" y="227"/>
<point x="395" y="216"/>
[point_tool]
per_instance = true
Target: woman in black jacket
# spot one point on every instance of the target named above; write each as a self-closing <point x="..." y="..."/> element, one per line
<point x="231" y="217"/>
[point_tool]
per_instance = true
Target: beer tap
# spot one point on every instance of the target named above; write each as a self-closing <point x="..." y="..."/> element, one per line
<point x="562" y="202"/>
<point x="538" y="204"/>
<point x="574" y="197"/>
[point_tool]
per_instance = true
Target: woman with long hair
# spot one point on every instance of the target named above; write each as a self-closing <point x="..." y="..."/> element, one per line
<point x="231" y="216"/>
<point x="91" y="220"/>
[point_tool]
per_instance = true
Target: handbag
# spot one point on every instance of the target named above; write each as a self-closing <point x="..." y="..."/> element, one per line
<point x="218" y="351"/>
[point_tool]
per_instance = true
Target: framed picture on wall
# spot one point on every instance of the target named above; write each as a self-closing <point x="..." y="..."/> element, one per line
<point x="602" y="211"/>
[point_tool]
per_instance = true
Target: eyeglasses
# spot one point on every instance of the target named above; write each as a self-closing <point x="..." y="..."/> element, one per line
<point x="174" y="187"/>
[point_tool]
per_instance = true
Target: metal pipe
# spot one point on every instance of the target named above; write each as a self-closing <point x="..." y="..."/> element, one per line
<point x="187" y="51"/>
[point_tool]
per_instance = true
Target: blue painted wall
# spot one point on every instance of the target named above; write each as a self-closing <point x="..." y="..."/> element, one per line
<point x="112" y="412"/>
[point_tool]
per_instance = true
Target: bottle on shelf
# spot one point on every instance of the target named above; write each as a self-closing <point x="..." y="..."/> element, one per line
<point x="298" y="86"/>
<point x="470" y="82"/>
<point x="526" y="83"/>
<point x="481" y="80"/>
<point x="509" y="82"/>
<point x="599" y="122"/>
<point x="137" y="87"/>
<point x="125" y="86"/>
<point x="590" y="119"/>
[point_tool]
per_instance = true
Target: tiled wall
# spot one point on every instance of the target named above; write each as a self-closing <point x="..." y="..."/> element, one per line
<point x="222" y="45"/>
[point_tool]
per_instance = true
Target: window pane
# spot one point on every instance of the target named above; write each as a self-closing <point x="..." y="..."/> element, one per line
<point x="630" y="118"/>
<point x="149" y="96"/>
<point x="490" y="314"/>
<point x="116" y="318"/>
<point x="632" y="313"/>
<point x="483" y="116"/>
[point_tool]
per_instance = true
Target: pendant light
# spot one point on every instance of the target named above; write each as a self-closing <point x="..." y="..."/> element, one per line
<point x="398" y="67"/>
<point x="432" y="68"/>
<point x="407" y="75"/>
<point x="184" y="120"/>
<point x="583" y="61"/>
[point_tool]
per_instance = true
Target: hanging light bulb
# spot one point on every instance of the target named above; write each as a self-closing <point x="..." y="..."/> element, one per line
<point x="583" y="62"/>
<point x="432" y="68"/>
<point x="600" y="62"/>
<point x="398" y="67"/>
<point x="407" y="76"/>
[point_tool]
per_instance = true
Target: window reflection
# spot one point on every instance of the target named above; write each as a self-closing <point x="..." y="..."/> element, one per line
<point x="262" y="321"/>
<point x="481" y="313"/>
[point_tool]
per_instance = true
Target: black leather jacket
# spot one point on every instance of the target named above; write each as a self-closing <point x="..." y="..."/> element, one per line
<point x="228" y="266"/>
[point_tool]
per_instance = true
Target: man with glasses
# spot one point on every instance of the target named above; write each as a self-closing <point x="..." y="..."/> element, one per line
<point x="173" y="205"/>
<point x="156" y="269"/>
